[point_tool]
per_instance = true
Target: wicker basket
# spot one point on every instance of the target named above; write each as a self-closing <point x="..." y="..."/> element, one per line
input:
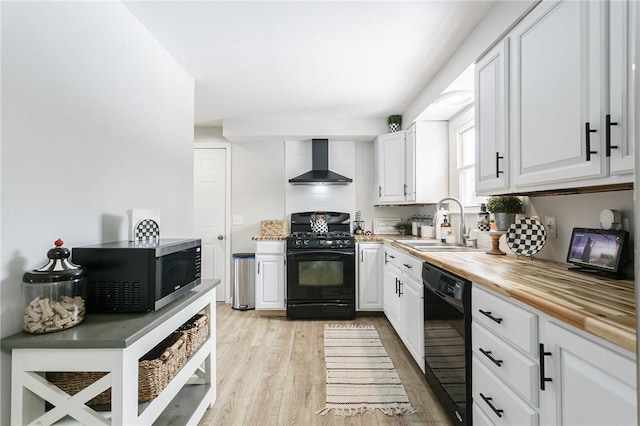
<point x="155" y="370"/>
<point x="197" y="331"/>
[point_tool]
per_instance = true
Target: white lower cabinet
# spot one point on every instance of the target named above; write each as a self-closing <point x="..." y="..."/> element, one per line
<point x="370" y="276"/>
<point x="270" y="275"/>
<point x="412" y="318"/>
<point x="590" y="384"/>
<point x="403" y="300"/>
<point x="390" y="298"/>
<point x="548" y="373"/>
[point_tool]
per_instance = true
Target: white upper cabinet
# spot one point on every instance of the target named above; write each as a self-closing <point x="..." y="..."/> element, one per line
<point x="491" y="86"/>
<point x="390" y="158"/>
<point x="412" y="165"/>
<point x="556" y="94"/>
<point x="624" y="51"/>
<point x="561" y="87"/>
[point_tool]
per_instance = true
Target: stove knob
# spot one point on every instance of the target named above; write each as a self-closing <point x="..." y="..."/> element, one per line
<point x="305" y="243"/>
<point x="297" y="243"/>
<point x="339" y="243"/>
<point x="321" y="243"/>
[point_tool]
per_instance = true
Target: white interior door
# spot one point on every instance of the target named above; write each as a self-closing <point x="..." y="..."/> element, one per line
<point x="210" y="186"/>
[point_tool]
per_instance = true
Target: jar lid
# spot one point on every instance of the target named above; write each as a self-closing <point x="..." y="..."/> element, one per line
<point x="58" y="268"/>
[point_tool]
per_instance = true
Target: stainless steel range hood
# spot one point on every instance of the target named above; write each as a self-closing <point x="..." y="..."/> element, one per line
<point x="320" y="173"/>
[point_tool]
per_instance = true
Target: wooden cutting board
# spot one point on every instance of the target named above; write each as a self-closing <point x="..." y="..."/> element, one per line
<point x="273" y="228"/>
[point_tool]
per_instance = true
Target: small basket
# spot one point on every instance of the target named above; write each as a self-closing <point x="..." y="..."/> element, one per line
<point x="196" y="330"/>
<point x="159" y="366"/>
<point x="155" y="370"/>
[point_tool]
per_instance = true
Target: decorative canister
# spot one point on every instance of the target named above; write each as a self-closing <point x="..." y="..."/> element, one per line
<point x="483" y="219"/>
<point x="54" y="295"/>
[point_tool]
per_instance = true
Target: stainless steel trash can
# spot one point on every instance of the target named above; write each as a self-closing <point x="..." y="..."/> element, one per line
<point x="243" y="292"/>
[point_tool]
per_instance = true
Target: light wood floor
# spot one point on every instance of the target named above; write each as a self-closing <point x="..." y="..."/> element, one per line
<point x="270" y="371"/>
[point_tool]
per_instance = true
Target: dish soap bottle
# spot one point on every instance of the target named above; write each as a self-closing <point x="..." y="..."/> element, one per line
<point x="445" y="229"/>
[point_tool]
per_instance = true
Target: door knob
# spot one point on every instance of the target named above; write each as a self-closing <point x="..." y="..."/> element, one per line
<point x="220" y="237"/>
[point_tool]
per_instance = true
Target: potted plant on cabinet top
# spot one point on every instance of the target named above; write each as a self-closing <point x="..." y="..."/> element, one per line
<point x="395" y="122"/>
<point x="504" y="209"/>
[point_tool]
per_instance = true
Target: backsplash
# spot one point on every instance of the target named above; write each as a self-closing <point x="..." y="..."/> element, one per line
<point x="580" y="210"/>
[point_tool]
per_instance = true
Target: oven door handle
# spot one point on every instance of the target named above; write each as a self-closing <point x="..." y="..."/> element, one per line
<point x="321" y="254"/>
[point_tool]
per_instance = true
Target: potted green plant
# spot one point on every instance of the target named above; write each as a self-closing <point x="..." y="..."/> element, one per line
<point x="402" y="227"/>
<point x="504" y="209"/>
<point x="395" y="122"/>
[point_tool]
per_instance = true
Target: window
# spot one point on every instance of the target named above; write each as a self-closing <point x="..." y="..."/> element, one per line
<point x="463" y="158"/>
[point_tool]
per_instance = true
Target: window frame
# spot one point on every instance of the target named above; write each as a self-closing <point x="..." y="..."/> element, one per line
<point x="461" y="122"/>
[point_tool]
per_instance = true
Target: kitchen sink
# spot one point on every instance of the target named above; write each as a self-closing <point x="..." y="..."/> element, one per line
<point x="434" y="245"/>
<point x="414" y="243"/>
<point x="443" y="247"/>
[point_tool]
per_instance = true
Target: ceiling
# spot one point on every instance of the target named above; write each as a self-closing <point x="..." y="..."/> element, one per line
<point x="352" y="59"/>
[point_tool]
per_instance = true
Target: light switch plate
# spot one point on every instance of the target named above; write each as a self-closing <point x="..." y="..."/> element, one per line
<point x="551" y="225"/>
<point x="238" y="219"/>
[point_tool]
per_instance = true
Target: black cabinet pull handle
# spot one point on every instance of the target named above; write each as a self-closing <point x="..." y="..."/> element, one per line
<point x="379" y="191"/>
<point x="497" y="362"/>
<point x="407" y="266"/>
<point x="397" y="281"/>
<point x="488" y="401"/>
<point x="498" y="158"/>
<point x="607" y="134"/>
<point x="588" y="130"/>
<point x="488" y="314"/>
<point x="400" y="293"/>
<point x="259" y="267"/>
<point x="543" y="379"/>
<point x="405" y="189"/>
<point x="392" y="256"/>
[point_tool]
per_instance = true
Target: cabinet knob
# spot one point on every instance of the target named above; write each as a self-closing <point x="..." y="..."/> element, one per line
<point x="221" y="237"/>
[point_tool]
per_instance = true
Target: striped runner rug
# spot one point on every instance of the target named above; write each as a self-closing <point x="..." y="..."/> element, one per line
<point x="360" y="375"/>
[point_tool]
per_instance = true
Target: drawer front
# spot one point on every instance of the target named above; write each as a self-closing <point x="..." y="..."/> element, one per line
<point x="498" y="402"/>
<point x="510" y="365"/>
<point x="270" y="247"/>
<point x="480" y="418"/>
<point x="411" y="266"/>
<point x="393" y="256"/>
<point x="505" y="319"/>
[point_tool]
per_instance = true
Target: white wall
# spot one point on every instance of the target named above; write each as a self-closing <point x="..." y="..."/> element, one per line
<point x="97" y="118"/>
<point x="257" y="189"/>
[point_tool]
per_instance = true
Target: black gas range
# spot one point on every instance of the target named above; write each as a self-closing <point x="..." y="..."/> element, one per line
<point x="320" y="266"/>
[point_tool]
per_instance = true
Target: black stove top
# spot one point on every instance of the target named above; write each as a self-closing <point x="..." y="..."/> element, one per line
<point x="336" y="232"/>
<point x="321" y="235"/>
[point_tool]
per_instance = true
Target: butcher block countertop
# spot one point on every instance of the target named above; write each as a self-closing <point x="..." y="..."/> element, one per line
<point x="602" y="307"/>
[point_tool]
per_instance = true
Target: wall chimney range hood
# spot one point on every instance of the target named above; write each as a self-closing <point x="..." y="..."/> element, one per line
<point x="320" y="173"/>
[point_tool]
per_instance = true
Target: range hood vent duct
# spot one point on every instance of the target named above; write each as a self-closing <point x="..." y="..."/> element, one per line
<point x="320" y="173"/>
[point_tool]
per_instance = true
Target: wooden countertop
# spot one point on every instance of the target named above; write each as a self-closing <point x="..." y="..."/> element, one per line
<point x="602" y="307"/>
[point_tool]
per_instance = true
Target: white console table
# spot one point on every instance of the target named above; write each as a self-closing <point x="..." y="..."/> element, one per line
<point x="114" y="343"/>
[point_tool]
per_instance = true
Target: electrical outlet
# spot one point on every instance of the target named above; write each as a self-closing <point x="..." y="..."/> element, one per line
<point x="238" y="219"/>
<point x="550" y="223"/>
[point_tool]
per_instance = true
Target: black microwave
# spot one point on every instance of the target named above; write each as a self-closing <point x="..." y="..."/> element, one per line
<point x="138" y="276"/>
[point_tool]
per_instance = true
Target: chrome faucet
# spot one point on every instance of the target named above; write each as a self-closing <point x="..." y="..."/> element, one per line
<point x="462" y="236"/>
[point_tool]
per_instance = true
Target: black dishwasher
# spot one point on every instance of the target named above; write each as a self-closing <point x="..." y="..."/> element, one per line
<point x="447" y="340"/>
